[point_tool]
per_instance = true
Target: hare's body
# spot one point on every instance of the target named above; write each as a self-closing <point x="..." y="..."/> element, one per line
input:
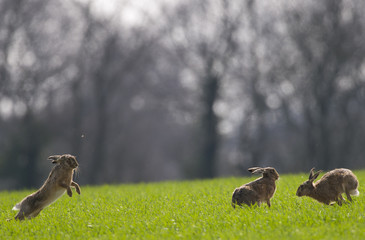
<point x="258" y="191"/>
<point x="331" y="186"/>
<point x="58" y="182"/>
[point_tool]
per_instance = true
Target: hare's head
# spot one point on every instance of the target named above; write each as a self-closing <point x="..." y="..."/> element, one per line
<point x="268" y="172"/>
<point x="66" y="160"/>
<point x="307" y="187"/>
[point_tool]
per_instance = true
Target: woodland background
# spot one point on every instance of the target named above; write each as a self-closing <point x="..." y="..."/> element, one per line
<point x="146" y="91"/>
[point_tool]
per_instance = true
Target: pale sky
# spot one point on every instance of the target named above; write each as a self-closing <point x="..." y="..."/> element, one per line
<point x="131" y="11"/>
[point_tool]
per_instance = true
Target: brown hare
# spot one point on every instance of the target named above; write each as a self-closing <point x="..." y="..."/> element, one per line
<point x="258" y="191"/>
<point x="58" y="182"/>
<point x="330" y="187"/>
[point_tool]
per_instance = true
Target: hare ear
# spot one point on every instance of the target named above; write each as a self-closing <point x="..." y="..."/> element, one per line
<point x="252" y="169"/>
<point x="311" y="173"/>
<point x="315" y="175"/>
<point x="255" y="170"/>
<point x="54" y="158"/>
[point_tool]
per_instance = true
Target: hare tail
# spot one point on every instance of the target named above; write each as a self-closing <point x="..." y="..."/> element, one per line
<point x="16" y="207"/>
<point x="355" y="192"/>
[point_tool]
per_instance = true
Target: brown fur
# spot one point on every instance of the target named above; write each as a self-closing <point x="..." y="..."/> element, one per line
<point x="258" y="191"/>
<point x="58" y="181"/>
<point x="330" y="187"/>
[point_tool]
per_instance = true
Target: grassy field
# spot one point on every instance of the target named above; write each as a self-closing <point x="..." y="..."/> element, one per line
<point x="186" y="210"/>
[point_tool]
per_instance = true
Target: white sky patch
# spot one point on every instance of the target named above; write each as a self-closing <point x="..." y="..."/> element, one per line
<point x="9" y="108"/>
<point x="345" y="83"/>
<point x="130" y="12"/>
<point x="273" y="101"/>
<point x="188" y="79"/>
<point x="287" y="88"/>
<point x="225" y="127"/>
<point x="6" y="106"/>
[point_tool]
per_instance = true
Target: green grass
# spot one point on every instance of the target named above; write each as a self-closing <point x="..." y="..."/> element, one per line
<point x="186" y="210"/>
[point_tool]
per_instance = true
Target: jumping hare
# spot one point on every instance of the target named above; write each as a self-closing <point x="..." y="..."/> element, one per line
<point x="330" y="187"/>
<point x="58" y="182"/>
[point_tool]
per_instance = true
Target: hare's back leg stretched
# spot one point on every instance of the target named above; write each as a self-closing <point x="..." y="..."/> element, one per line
<point x="29" y="208"/>
<point x="20" y="215"/>
<point x="24" y="212"/>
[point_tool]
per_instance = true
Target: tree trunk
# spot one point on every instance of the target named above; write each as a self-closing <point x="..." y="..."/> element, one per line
<point x="209" y="127"/>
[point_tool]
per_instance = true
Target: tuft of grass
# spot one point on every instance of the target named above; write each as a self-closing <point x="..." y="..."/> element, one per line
<point x="186" y="210"/>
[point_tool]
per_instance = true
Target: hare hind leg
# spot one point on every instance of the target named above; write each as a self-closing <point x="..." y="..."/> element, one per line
<point x="348" y="196"/>
<point x="24" y="211"/>
<point x="20" y="216"/>
<point x="340" y="200"/>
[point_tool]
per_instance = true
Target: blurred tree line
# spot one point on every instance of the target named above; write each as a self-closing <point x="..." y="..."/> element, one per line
<point x="193" y="89"/>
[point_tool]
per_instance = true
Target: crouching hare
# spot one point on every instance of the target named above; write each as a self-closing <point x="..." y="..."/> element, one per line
<point x="330" y="187"/>
<point x="258" y="191"/>
<point x="58" y="182"/>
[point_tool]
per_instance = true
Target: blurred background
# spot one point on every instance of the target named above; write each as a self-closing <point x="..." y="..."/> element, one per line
<point x="146" y="90"/>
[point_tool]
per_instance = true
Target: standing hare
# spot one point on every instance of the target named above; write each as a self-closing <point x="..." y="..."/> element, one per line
<point x="258" y="191"/>
<point x="330" y="187"/>
<point x="58" y="182"/>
